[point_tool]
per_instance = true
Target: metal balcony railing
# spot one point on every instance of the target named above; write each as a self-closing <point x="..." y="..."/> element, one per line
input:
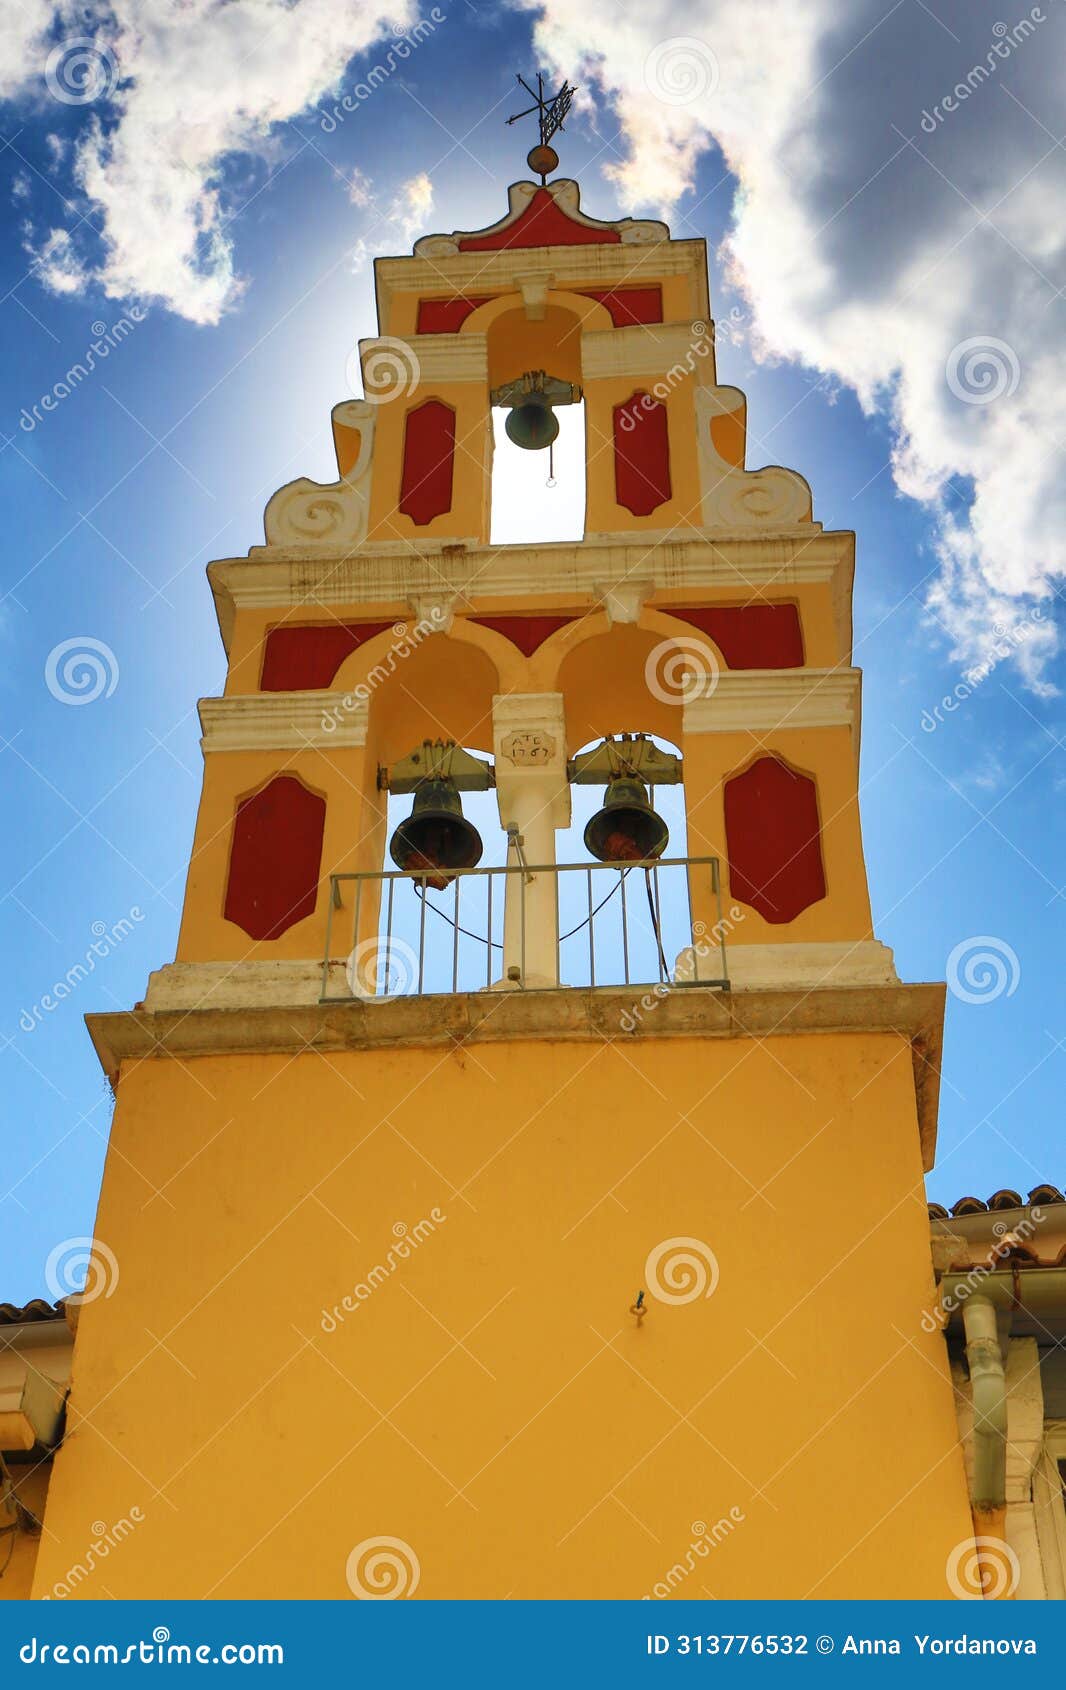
<point x="538" y="927"/>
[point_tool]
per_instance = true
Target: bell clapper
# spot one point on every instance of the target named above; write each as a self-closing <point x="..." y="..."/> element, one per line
<point x="638" y="1308"/>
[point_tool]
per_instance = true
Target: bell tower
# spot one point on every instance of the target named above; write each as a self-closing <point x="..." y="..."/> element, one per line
<point x="455" y="1262"/>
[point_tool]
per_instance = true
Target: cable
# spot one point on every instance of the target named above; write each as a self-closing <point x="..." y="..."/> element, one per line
<point x="655" y="923"/>
<point x="495" y="943"/>
<point x="597" y="910"/>
<point x="480" y="937"/>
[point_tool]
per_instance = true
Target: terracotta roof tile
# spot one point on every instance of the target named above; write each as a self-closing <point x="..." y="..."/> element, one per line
<point x="36" y="1309"/>
<point x="1002" y="1199"/>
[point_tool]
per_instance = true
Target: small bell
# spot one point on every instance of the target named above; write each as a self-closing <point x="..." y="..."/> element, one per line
<point x="532" y="424"/>
<point x="626" y="829"/>
<point x="531" y="421"/>
<point x="436" y="835"/>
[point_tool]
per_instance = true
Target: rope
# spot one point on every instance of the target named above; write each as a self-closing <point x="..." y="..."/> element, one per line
<point x="655" y="924"/>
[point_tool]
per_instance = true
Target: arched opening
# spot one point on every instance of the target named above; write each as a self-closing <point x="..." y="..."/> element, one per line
<point x="439" y="938"/>
<point x="537" y="496"/>
<point x="614" y="923"/>
<point x="531" y="506"/>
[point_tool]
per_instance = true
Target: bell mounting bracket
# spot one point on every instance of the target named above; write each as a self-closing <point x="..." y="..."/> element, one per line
<point x="550" y="388"/>
<point x="632" y="755"/>
<point x="437" y="759"/>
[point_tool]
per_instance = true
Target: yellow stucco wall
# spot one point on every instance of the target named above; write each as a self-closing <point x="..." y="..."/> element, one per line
<point x="492" y="1403"/>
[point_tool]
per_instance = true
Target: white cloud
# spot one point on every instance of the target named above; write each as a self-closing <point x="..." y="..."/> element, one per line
<point x="178" y="91"/>
<point x="413" y="205"/>
<point x="57" y="265"/>
<point x="395" y="224"/>
<point x="22" y="49"/>
<point x="875" y="231"/>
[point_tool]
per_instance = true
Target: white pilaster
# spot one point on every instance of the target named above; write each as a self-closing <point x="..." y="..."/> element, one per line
<point x="533" y="794"/>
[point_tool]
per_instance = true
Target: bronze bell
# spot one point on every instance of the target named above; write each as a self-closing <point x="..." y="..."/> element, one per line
<point x="627" y="829"/>
<point x="532" y="424"/>
<point x="436" y="835"/>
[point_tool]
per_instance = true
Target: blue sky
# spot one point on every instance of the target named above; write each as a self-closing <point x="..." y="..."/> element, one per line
<point x="164" y="457"/>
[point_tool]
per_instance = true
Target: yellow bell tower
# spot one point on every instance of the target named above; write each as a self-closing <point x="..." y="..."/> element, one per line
<point x="448" y="1267"/>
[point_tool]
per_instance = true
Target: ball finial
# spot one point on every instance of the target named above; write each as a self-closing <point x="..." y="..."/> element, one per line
<point x="543" y="160"/>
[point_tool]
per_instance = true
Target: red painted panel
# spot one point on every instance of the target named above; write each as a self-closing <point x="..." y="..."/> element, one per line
<point x="526" y="632"/>
<point x="773" y="839"/>
<point x="428" y="456"/>
<point x="630" y="305"/>
<point x="445" y="316"/>
<point x="750" y="636"/>
<point x="641" y="454"/>
<point x="541" y="224"/>
<point x="275" y="858"/>
<point x="297" y="659"/>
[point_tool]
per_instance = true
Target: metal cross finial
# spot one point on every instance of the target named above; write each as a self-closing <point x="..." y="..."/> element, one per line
<point x="551" y="109"/>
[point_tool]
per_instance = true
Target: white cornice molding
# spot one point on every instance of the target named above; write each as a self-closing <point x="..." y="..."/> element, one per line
<point x="575" y="268"/>
<point x="389" y="575"/>
<point x="647" y="349"/>
<point x="283" y="721"/>
<point x="774" y="700"/>
<point x="421" y="359"/>
<point x="765" y="563"/>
